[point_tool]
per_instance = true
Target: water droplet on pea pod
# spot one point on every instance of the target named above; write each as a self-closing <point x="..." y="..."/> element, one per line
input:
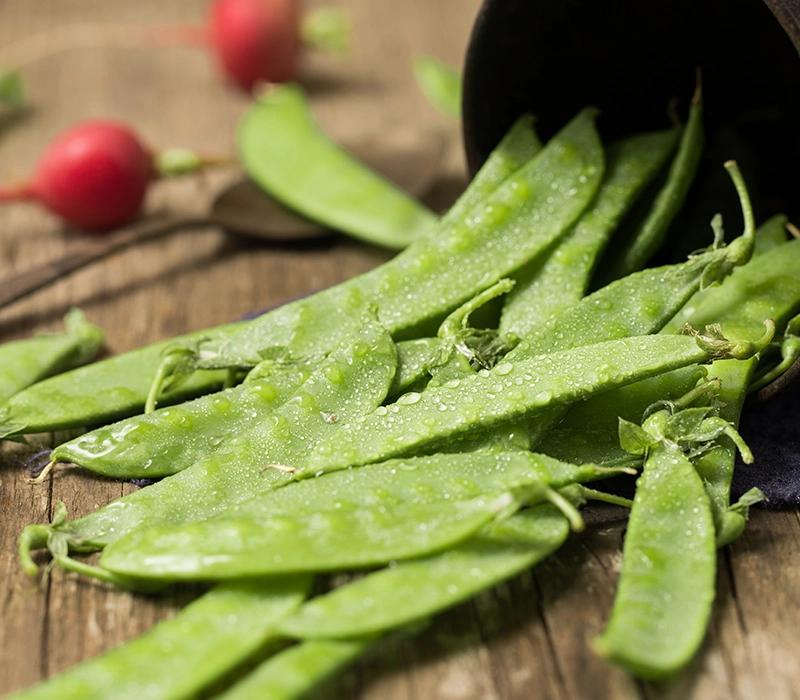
<point x="408" y="399"/>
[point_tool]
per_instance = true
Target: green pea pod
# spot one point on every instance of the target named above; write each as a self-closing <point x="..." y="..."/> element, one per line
<point x="103" y="391"/>
<point x="420" y="421"/>
<point x="182" y="656"/>
<point x="164" y="442"/>
<point x="353" y="378"/>
<point x="550" y="191"/>
<point x="562" y="278"/>
<point x="235" y="547"/>
<point x="349" y="519"/>
<point x="638" y="247"/>
<point x="440" y="83"/>
<point x="278" y="141"/>
<point x="666" y="585"/>
<point x="517" y="148"/>
<point x="25" y="362"/>
<point x="293" y="673"/>
<point x="412" y="590"/>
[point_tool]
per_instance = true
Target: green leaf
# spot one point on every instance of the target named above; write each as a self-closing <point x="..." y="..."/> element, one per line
<point x="633" y="438"/>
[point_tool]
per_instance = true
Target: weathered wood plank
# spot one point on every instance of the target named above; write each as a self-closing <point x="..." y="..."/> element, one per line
<point x="530" y="637"/>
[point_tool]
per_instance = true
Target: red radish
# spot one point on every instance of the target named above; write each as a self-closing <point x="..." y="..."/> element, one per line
<point x="94" y="176"/>
<point x="261" y="40"/>
<point x="256" y="40"/>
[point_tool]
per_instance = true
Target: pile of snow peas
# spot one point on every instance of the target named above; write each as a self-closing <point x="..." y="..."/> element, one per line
<point x="372" y="427"/>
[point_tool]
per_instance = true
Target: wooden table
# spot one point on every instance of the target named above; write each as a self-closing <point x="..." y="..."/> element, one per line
<point x="529" y="638"/>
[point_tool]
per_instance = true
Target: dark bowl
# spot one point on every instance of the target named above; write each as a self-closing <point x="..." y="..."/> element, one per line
<point x="630" y="58"/>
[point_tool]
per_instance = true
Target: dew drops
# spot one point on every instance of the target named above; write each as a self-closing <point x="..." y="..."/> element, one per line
<point x="410" y="398"/>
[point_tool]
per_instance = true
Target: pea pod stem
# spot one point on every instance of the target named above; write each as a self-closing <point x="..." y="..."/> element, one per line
<point x="719" y="347"/>
<point x="790" y="352"/>
<point x="44" y="474"/>
<point x="567" y="509"/>
<point x="602" y="496"/>
<point x="458" y="321"/>
<point x="33" y="537"/>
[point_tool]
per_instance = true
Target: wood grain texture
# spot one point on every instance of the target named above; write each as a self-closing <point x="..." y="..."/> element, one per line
<point x="528" y="638"/>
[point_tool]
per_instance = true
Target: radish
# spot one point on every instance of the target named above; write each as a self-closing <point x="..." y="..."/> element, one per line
<point x="256" y="40"/>
<point x="253" y="40"/>
<point x="96" y="174"/>
<point x="262" y="40"/>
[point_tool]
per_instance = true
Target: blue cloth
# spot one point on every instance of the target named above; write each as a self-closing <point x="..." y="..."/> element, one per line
<point x="772" y="430"/>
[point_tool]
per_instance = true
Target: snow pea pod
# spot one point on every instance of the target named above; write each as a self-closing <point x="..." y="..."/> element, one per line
<point x="348" y="519"/>
<point x="296" y="671"/>
<point x="638" y="247"/>
<point x="666" y="585"/>
<point x="546" y="195"/>
<point x="510" y="391"/>
<point x="164" y="442"/>
<point x="182" y="656"/>
<point x="103" y="391"/>
<point x="353" y="378"/>
<point x="414" y="589"/>
<point x="286" y="154"/>
<point x="517" y="147"/>
<point x="25" y="362"/>
<point x="235" y="547"/>
<point x="563" y="277"/>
